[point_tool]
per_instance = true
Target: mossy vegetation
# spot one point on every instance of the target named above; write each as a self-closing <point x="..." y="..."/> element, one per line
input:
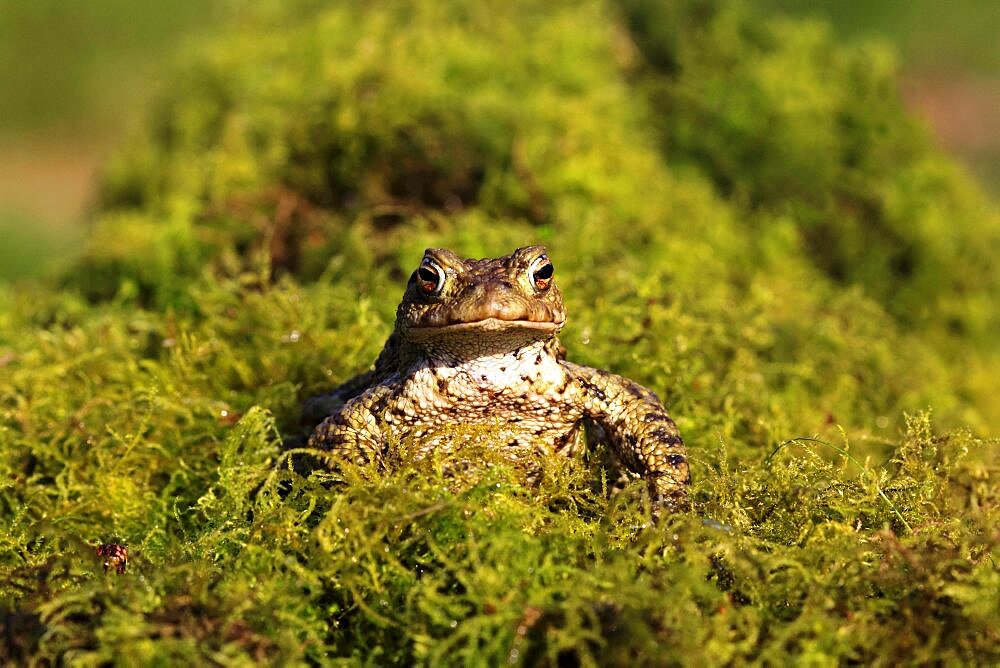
<point x="742" y="218"/>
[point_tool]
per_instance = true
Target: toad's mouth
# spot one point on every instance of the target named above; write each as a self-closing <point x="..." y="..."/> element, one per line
<point x="485" y="325"/>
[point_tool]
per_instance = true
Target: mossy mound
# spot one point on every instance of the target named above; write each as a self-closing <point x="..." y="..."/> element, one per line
<point x="741" y="217"/>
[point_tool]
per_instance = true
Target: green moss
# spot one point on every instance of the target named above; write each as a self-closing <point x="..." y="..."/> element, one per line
<point x="249" y="251"/>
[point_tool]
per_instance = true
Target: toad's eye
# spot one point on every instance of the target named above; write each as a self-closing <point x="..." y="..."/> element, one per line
<point x="430" y="277"/>
<point x="541" y="271"/>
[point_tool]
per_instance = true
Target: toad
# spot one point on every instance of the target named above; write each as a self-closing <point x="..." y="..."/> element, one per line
<point x="476" y="342"/>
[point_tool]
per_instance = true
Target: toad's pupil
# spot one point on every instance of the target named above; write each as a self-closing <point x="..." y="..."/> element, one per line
<point x="544" y="273"/>
<point x="428" y="274"/>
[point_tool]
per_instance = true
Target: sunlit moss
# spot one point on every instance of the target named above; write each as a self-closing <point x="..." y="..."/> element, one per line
<point x="249" y="251"/>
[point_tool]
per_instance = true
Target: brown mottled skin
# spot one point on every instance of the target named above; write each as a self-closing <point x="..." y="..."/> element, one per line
<point x="475" y="343"/>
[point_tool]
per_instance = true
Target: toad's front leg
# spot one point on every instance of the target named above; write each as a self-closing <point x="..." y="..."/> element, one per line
<point x="318" y="408"/>
<point x="643" y="436"/>
<point x="354" y="433"/>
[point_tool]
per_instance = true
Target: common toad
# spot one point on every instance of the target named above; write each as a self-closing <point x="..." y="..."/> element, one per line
<point x="476" y="342"/>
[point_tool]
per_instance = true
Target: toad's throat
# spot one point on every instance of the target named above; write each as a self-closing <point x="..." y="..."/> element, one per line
<point x="480" y="338"/>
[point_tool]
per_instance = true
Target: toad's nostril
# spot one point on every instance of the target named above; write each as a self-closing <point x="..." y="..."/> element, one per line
<point x="501" y="309"/>
<point x="499" y="304"/>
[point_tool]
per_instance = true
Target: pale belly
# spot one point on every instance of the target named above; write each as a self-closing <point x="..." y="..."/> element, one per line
<point x="439" y="408"/>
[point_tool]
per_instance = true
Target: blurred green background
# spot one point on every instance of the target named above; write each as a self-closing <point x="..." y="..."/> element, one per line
<point x="75" y="78"/>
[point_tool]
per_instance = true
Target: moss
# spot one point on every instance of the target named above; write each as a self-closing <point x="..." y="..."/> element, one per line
<point x="248" y="252"/>
<point x="801" y="128"/>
